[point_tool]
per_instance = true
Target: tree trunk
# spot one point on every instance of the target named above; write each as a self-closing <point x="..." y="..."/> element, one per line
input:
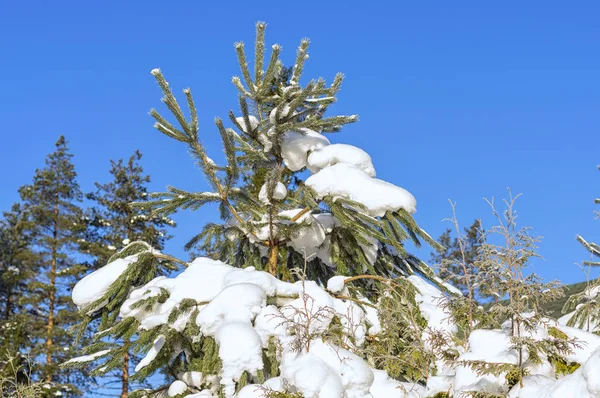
<point x="273" y="260"/>
<point x="125" y="368"/>
<point x="52" y="297"/>
<point x="125" y="375"/>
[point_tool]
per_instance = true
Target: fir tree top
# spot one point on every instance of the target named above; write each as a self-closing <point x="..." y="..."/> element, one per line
<point x="339" y="219"/>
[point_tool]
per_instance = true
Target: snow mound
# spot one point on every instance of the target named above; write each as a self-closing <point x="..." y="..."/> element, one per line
<point x="279" y="193"/>
<point x="340" y="153"/>
<point x="232" y="306"/>
<point x="95" y="285"/>
<point x="296" y="145"/>
<point x="253" y="123"/>
<point x="583" y="383"/>
<point x="348" y="181"/>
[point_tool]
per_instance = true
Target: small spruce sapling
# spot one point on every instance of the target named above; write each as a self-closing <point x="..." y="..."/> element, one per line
<point x="505" y="262"/>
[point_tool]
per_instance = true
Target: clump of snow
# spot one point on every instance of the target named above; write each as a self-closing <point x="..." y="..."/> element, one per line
<point x="587" y="343"/>
<point x="152" y="353"/>
<point x="431" y="300"/>
<point x="312" y="377"/>
<point x="193" y="379"/>
<point x="307" y="240"/>
<point x="296" y="145"/>
<point x="348" y="181"/>
<point x="340" y="153"/>
<point x="176" y="388"/>
<point x="336" y="283"/>
<point x="279" y="193"/>
<point x="253" y="123"/>
<point x="490" y="346"/>
<point x="232" y="305"/>
<point x="88" y="358"/>
<point x="583" y="383"/>
<point x="240" y="349"/>
<point x="95" y="285"/>
<point x="239" y="302"/>
<point x="385" y="387"/>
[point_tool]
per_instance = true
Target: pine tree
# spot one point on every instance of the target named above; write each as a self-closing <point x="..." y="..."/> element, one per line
<point x="585" y="306"/>
<point x="53" y="204"/>
<point x="115" y="223"/>
<point x="340" y="220"/>
<point x="460" y="255"/>
<point x="458" y="266"/>
<point x="16" y="260"/>
<point x="272" y="224"/>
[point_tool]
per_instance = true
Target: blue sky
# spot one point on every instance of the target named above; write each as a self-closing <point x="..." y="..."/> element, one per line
<point x="456" y="101"/>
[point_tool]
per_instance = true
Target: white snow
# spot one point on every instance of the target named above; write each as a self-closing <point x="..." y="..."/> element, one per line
<point x="340" y="153"/>
<point x="176" y="388"/>
<point x="583" y="383"/>
<point x="193" y="378"/>
<point x="296" y="145"/>
<point x="431" y="300"/>
<point x="95" y="285"/>
<point x="88" y="358"/>
<point x="385" y="387"/>
<point x="348" y="181"/>
<point x="239" y="302"/>
<point x="233" y="309"/>
<point x="253" y="123"/>
<point x="279" y="193"/>
<point x="336" y="283"/>
<point x="240" y="349"/>
<point x="152" y="353"/>
<point x="13" y="270"/>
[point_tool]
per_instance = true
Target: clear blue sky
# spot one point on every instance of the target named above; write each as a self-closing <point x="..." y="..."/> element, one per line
<point x="456" y="100"/>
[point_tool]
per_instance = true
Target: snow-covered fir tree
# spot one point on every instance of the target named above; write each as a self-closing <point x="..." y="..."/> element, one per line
<point x="339" y="220"/>
<point x="52" y="203"/>
<point x="114" y="223"/>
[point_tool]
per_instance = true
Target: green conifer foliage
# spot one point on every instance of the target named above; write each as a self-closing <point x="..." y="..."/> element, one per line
<point x="460" y="255"/>
<point x="52" y="203"/>
<point x="16" y="261"/>
<point x="114" y="223"/>
<point x="505" y="262"/>
<point x="586" y="304"/>
<point x="257" y="231"/>
<point x="593" y="248"/>
<point x="259" y="223"/>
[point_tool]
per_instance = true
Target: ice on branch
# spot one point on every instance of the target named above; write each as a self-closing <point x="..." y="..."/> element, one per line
<point x="348" y="181"/>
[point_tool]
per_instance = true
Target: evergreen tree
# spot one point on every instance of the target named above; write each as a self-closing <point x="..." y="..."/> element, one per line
<point x="505" y="259"/>
<point x="341" y="220"/>
<point x="16" y="260"/>
<point x="585" y="306"/>
<point x="593" y="248"/>
<point x="115" y="223"/>
<point x="457" y="261"/>
<point x="52" y="202"/>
